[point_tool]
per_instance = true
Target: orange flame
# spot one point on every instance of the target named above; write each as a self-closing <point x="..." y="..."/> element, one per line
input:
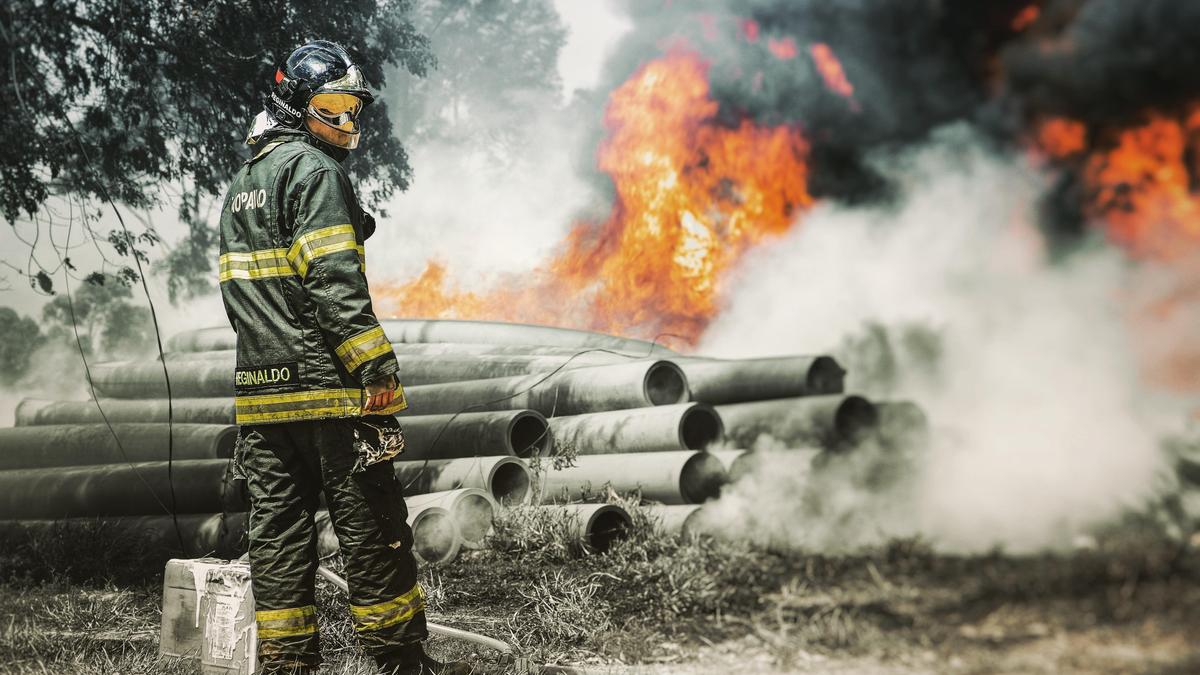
<point x="1061" y="138"/>
<point x="831" y="70"/>
<point x="1142" y="188"/>
<point x="692" y="196"/>
<point x="783" y="48"/>
<point x="1025" y="18"/>
<point x="1145" y="187"/>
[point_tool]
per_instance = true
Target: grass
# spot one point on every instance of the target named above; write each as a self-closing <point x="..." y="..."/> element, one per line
<point x="70" y="605"/>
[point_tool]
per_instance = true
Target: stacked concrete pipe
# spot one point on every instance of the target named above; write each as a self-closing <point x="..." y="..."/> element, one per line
<point x="592" y="412"/>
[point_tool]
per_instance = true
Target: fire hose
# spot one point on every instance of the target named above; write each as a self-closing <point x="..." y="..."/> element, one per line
<point x="523" y="666"/>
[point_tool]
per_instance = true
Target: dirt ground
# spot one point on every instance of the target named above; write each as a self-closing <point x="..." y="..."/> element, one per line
<point x="658" y="604"/>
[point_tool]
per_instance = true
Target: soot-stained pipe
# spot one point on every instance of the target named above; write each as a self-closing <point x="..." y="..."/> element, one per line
<point x="78" y="444"/>
<point x="685" y="426"/>
<point x="522" y="433"/>
<point x="507" y="479"/>
<point x="735" y="381"/>
<point x="831" y="422"/>
<point x="680" y="477"/>
<point x="569" y="392"/>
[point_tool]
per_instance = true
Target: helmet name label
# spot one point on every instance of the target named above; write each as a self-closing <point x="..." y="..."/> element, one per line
<point x="283" y="105"/>
<point x="254" y="199"/>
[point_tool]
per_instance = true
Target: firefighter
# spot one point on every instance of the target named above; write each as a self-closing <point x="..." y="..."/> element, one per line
<point x="316" y="383"/>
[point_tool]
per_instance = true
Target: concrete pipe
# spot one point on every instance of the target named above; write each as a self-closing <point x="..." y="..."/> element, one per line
<point x="499" y="332"/>
<point x="200" y="486"/>
<point x="144" y="379"/>
<point x="38" y="412"/>
<point x="436" y="539"/>
<point x="457" y="350"/>
<point x="676" y="519"/>
<point x="737" y="463"/>
<point x="219" y="535"/>
<point x="522" y="433"/>
<point x="204" y="375"/>
<point x="831" y="422"/>
<point x="473" y="509"/>
<point x="903" y="424"/>
<point x="596" y="526"/>
<point x="569" y="392"/>
<point x="203" y="340"/>
<point x="421" y="331"/>
<point x="686" y="426"/>
<point x="418" y="369"/>
<point x="507" y="479"/>
<point x="734" y="381"/>
<point x="79" y="444"/>
<point x="681" y="477"/>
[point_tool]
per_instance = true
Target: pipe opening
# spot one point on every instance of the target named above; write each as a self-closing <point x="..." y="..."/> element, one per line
<point x="433" y="537"/>
<point x="825" y="376"/>
<point x="699" y="427"/>
<point x="529" y="436"/>
<point x="855" y="419"/>
<point x="606" y="528"/>
<point x="665" y="384"/>
<point x="701" y="478"/>
<point x="510" y="483"/>
<point x="474" y="515"/>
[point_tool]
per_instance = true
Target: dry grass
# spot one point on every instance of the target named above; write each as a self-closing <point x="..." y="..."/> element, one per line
<point x="659" y="599"/>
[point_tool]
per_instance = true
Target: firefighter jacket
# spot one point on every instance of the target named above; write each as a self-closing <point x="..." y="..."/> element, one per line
<point x="292" y="272"/>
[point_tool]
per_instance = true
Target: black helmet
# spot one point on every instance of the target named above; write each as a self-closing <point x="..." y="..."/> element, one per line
<point x="320" y="67"/>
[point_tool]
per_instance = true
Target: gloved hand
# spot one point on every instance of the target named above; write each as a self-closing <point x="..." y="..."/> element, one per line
<point x="380" y="393"/>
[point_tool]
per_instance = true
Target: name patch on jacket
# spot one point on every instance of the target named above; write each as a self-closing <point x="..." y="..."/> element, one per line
<point x="266" y="376"/>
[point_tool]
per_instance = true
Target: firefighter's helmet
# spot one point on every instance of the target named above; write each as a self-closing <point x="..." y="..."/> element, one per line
<point x="320" y="89"/>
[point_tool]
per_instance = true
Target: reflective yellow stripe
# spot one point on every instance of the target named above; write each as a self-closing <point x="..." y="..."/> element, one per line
<point x="283" y="623"/>
<point x="318" y="404"/>
<point x="399" y="403"/>
<point x="367" y="345"/>
<point x="309" y="405"/>
<point x="321" y="242"/>
<point x="397" y="610"/>
<point x="271" y="262"/>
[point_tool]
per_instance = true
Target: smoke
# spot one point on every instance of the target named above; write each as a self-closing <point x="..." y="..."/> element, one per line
<point x="479" y="214"/>
<point x="1023" y="365"/>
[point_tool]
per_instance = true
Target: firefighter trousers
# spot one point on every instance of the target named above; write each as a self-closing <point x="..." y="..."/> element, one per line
<point x="287" y="467"/>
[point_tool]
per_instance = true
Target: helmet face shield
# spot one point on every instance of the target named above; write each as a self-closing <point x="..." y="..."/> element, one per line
<point x="333" y="118"/>
<point x="335" y="109"/>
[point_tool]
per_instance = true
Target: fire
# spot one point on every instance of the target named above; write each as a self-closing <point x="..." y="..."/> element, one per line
<point x="1141" y="186"/>
<point x="1061" y="138"/>
<point x="692" y="196"/>
<point x="831" y="70"/>
<point x="1145" y="188"/>
<point x="1026" y="17"/>
<point x="782" y="48"/>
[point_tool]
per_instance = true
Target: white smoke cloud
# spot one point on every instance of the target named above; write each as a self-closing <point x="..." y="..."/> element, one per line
<point x="1035" y="401"/>
<point x="480" y="217"/>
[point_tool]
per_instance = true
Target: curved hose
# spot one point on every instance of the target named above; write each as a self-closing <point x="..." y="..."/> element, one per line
<point x="437" y="629"/>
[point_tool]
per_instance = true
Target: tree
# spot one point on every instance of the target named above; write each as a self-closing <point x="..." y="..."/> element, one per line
<point x="109" y="324"/>
<point x="117" y="98"/>
<point x="19" y="337"/>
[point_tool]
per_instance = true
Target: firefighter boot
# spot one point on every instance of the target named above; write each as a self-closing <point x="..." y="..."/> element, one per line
<point x="414" y="661"/>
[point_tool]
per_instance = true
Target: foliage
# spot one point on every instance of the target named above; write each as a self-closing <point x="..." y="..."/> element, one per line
<point x="19" y="337"/>
<point x="160" y="91"/>
<point x="109" y="323"/>
<point x="119" y="99"/>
